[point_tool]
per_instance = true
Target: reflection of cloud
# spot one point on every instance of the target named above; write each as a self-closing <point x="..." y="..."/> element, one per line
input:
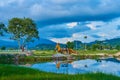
<point x="82" y="63"/>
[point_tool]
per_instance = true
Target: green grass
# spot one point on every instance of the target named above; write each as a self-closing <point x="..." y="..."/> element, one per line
<point x="51" y="52"/>
<point x="44" y="52"/>
<point x="8" y="72"/>
<point x="83" y="52"/>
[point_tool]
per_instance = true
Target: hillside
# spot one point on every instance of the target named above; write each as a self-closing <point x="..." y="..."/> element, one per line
<point x="48" y="44"/>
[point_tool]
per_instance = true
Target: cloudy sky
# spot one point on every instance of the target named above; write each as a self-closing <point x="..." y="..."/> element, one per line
<point x="67" y="20"/>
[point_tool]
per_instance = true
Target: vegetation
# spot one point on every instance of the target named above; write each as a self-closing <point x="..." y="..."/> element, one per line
<point x="3" y="48"/>
<point x="81" y="52"/>
<point x="22" y="30"/>
<point x="70" y="45"/>
<point x="3" y="29"/>
<point x="8" y="72"/>
<point x="85" y="37"/>
<point x="22" y="59"/>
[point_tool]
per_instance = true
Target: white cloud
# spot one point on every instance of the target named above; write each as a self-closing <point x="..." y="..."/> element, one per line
<point x="106" y="30"/>
<point x="92" y="27"/>
<point x="36" y="9"/>
<point x="103" y="35"/>
<point x="93" y="24"/>
<point x="4" y="3"/>
<point x="72" y="24"/>
<point x="75" y="36"/>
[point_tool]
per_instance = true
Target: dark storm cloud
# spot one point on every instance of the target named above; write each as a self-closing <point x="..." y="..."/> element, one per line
<point x="95" y="36"/>
<point x="118" y="27"/>
<point x="49" y="12"/>
<point x="61" y="31"/>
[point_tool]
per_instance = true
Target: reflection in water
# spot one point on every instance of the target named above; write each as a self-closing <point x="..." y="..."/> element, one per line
<point x="62" y="65"/>
<point x="58" y="65"/>
<point x="81" y="66"/>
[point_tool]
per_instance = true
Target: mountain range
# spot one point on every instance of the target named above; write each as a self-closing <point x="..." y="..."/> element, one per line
<point x="48" y="44"/>
<point x="14" y="44"/>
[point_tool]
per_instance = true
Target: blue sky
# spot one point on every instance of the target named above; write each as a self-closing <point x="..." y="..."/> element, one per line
<point x="67" y="20"/>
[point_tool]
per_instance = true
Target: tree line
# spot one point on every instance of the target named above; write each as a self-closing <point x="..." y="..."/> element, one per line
<point x="97" y="45"/>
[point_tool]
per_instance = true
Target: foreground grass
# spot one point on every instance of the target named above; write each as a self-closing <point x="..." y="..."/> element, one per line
<point x="8" y="72"/>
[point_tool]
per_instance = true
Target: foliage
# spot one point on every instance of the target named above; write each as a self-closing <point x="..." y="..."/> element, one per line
<point x="117" y="47"/>
<point x="70" y="44"/>
<point x="3" y="48"/>
<point x="85" y="37"/>
<point x="95" y="52"/>
<point x="95" y="46"/>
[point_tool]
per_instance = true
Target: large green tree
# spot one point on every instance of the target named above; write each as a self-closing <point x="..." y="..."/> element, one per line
<point x="23" y="30"/>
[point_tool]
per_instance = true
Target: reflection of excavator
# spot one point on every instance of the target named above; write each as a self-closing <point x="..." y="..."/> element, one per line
<point x="64" y="50"/>
<point x="58" y="65"/>
<point x="62" y="64"/>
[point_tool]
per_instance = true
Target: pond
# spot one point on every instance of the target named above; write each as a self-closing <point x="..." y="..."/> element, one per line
<point x="109" y="66"/>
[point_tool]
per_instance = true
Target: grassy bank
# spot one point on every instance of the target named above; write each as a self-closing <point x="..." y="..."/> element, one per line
<point x="6" y="59"/>
<point x="80" y="52"/>
<point x="84" y="52"/>
<point x="8" y="72"/>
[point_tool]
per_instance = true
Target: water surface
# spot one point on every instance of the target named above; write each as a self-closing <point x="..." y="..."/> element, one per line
<point x="109" y="66"/>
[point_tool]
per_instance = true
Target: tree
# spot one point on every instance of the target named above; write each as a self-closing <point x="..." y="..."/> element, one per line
<point x="23" y="30"/>
<point x="85" y="37"/>
<point x="3" y="48"/>
<point x="95" y="46"/>
<point x="70" y="45"/>
<point x="117" y="47"/>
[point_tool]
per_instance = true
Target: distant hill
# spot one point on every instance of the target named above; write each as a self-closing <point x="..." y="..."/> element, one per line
<point x="77" y="44"/>
<point x="112" y="42"/>
<point x="48" y="44"/>
<point x="8" y="44"/>
<point x="14" y="44"/>
<point x="40" y="42"/>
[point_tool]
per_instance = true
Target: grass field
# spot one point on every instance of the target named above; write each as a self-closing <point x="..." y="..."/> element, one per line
<point x="8" y="72"/>
<point x="80" y="52"/>
<point x="97" y="51"/>
<point x="46" y="55"/>
<point x="51" y="52"/>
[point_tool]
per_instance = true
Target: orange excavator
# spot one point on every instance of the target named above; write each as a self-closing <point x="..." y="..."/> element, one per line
<point x="64" y="50"/>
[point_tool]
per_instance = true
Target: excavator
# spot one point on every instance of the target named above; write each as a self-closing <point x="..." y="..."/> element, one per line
<point x="64" y="50"/>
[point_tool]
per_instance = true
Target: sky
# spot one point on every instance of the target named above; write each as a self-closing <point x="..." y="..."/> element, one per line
<point x="67" y="20"/>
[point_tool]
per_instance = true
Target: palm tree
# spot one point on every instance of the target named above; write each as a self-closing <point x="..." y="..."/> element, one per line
<point x="85" y="37"/>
